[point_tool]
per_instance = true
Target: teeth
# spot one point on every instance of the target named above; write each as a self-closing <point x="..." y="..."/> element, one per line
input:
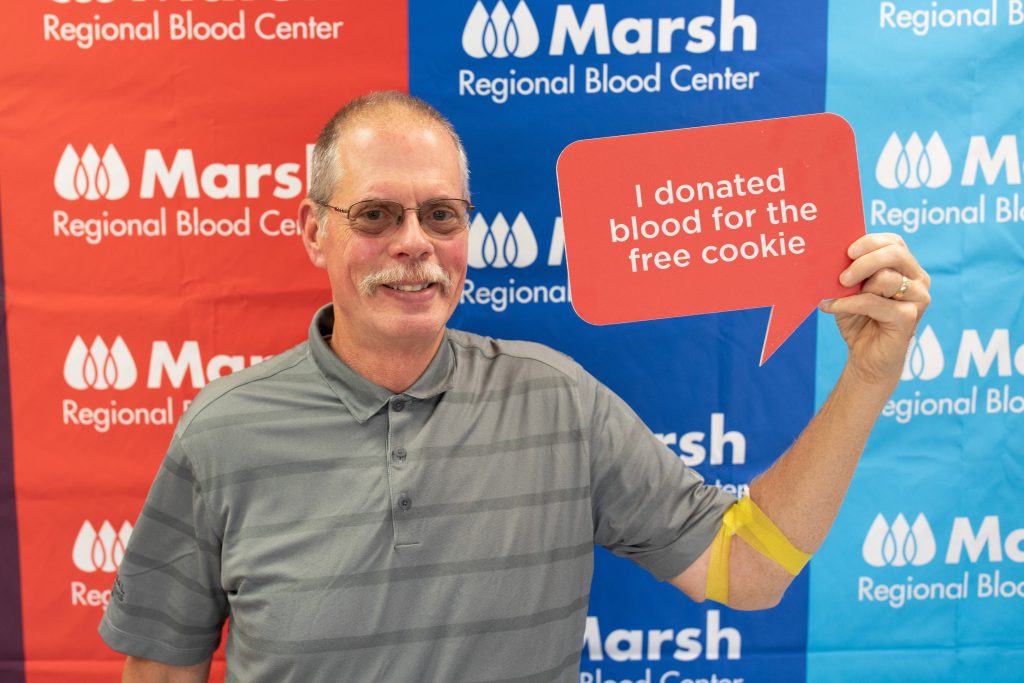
<point x="410" y="288"/>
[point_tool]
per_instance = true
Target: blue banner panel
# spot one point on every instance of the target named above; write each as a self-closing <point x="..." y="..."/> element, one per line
<point x="520" y="81"/>
<point x="921" y="578"/>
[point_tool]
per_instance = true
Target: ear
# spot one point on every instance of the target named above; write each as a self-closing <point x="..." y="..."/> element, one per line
<point x="312" y="235"/>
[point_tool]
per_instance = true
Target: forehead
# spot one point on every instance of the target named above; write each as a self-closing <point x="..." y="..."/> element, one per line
<point x="398" y="154"/>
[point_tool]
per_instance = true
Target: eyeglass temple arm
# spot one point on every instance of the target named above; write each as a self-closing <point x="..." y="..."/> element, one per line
<point x="329" y="206"/>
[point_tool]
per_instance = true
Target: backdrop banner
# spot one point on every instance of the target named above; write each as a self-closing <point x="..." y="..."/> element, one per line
<point x="154" y="155"/>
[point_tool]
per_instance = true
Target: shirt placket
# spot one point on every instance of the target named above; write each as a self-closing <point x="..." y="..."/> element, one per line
<point x="401" y="430"/>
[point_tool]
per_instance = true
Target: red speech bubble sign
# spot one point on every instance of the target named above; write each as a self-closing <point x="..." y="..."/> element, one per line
<point x="704" y="220"/>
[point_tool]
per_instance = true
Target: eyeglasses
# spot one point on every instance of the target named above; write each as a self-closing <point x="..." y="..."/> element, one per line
<point x="441" y="217"/>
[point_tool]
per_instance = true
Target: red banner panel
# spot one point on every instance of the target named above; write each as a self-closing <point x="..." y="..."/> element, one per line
<point x="155" y="153"/>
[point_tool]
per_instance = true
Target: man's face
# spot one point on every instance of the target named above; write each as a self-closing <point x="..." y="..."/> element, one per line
<point x="408" y="163"/>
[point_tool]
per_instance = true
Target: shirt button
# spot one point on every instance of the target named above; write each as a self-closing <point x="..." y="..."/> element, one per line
<point x="399" y="454"/>
<point x="404" y="502"/>
<point x="398" y="406"/>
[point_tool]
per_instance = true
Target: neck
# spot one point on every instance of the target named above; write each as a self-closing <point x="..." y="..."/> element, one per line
<point x="395" y="366"/>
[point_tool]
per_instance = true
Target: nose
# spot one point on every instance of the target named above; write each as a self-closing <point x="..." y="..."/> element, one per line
<point x="410" y="240"/>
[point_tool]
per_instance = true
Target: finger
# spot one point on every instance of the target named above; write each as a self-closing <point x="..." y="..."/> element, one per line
<point x="884" y="283"/>
<point x="878" y="240"/>
<point x="871" y="242"/>
<point x="901" y="314"/>
<point x="893" y="256"/>
<point x="888" y="283"/>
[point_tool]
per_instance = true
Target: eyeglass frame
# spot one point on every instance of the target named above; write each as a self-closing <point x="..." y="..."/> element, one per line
<point x="469" y="208"/>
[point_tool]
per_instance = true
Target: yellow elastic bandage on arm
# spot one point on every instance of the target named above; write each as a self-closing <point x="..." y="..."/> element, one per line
<point x="754" y="527"/>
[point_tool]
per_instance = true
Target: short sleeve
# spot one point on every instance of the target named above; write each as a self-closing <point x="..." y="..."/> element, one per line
<point x="647" y="504"/>
<point x="167" y="603"/>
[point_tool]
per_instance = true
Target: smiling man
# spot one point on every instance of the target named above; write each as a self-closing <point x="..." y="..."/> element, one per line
<point x="394" y="500"/>
<point x="397" y="262"/>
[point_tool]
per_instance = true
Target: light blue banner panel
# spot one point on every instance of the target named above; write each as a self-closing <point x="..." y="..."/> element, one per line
<point x="921" y="580"/>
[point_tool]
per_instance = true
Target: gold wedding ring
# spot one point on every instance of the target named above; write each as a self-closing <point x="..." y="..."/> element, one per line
<point x="904" y="286"/>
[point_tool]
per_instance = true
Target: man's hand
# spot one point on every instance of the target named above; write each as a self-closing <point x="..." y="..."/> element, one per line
<point x="878" y="323"/>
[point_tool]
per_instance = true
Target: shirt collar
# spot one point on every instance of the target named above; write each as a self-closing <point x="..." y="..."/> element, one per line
<point x="362" y="397"/>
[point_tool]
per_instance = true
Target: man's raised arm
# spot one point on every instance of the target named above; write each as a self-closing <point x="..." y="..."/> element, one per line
<point x="801" y="493"/>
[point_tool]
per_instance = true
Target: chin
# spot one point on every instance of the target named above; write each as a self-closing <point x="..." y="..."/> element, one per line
<point x="412" y="328"/>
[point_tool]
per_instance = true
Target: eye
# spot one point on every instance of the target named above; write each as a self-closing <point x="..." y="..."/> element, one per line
<point x="374" y="216"/>
<point x="441" y="212"/>
<point x="442" y="217"/>
<point x="372" y="213"/>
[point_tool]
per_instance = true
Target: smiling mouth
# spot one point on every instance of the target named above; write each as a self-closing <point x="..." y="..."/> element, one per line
<point x="409" y="288"/>
<point x="407" y="278"/>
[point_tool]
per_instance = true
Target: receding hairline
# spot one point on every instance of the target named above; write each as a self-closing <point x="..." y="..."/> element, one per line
<point x="387" y="113"/>
<point x="392" y="118"/>
<point x="386" y="104"/>
<point x="382" y="109"/>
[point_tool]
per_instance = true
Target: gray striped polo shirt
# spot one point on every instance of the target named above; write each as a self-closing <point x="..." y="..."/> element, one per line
<point x="442" y="534"/>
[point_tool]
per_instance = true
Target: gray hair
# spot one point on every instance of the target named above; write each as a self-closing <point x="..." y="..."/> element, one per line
<point x="325" y="171"/>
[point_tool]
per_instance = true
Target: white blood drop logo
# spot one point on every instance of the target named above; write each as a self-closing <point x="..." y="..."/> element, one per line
<point x="89" y="175"/>
<point x="99" y="367"/>
<point x="924" y="356"/>
<point x="100" y="551"/>
<point x="913" y="165"/>
<point x="500" y="34"/>
<point x="499" y="244"/>
<point x="900" y="544"/>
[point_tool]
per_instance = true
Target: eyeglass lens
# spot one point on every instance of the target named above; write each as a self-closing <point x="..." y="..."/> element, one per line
<point x="439" y="216"/>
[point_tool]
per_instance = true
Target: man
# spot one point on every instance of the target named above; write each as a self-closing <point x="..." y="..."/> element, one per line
<point x="393" y="500"/>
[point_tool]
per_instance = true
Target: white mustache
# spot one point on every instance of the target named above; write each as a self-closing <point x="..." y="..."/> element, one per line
<point x="393" y="275"/>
